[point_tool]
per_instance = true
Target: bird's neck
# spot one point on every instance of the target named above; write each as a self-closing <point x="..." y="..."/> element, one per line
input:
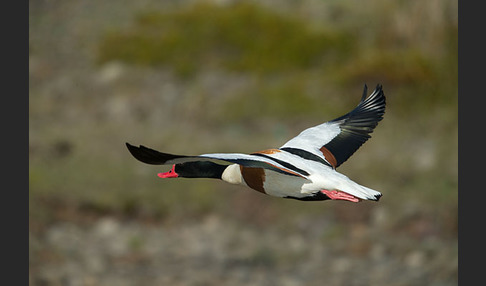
<point x="201" y="169"/>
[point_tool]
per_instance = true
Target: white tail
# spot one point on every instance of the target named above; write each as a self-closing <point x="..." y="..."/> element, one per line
<point x="361" y="192"/>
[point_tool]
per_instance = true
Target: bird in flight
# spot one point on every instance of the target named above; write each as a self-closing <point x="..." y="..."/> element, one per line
<point x="304" y="168"/>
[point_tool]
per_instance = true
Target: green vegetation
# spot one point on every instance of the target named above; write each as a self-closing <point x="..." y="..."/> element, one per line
<point x="239" y="37"/>
<point x="294" y="61"/>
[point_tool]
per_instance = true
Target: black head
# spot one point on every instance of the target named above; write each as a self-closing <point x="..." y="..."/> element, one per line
<point x="199" y="169"/>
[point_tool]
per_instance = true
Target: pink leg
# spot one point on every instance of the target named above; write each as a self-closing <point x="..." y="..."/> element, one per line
<point x="338" y="195"/>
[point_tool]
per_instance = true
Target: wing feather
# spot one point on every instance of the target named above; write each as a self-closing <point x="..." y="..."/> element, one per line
<point x="154" y="157"/>
<point x="336" y="140"/>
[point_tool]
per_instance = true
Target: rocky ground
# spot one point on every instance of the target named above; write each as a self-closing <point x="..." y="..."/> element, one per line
<point x="214" y="250"/>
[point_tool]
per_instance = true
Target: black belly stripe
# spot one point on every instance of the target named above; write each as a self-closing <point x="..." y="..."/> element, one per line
<point x="283" y="163"/>
<point x="306" y="155"/>
<point x="314" y="197"/>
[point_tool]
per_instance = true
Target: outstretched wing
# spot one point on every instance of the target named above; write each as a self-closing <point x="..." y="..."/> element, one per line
<point x="154" y="157"/>
<point x="335" y="141"/>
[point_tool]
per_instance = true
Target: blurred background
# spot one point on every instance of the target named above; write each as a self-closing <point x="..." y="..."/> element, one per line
<point x="191" y="77"/>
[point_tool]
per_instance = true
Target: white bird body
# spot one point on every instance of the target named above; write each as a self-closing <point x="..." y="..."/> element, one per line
<point x="304" y="168"/>
<point x="321" y="178"/>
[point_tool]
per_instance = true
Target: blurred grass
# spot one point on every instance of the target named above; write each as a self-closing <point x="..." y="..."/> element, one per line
<point x="277" y="75"/>
<point x="238" y="37"/>
<point x="289" y="55"/>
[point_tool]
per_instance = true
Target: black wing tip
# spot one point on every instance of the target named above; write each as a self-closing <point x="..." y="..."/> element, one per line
<point x="136" y="151"/>
<point x="139" y="153"/>
<point x="365" y="92"/>
<point x="371" y="107"/>
<point x="378" y="92"/>
<point x="131" y="148"/>
<point x="357" y="125"/>
<point x="150" y="156"/>
<point x="375" y="103"/>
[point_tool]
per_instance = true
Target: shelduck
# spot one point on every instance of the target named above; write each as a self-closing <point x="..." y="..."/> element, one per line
<point x="304" y="168"/>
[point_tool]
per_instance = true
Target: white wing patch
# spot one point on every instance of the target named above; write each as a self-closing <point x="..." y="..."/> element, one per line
<point x="313" y="138"/>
